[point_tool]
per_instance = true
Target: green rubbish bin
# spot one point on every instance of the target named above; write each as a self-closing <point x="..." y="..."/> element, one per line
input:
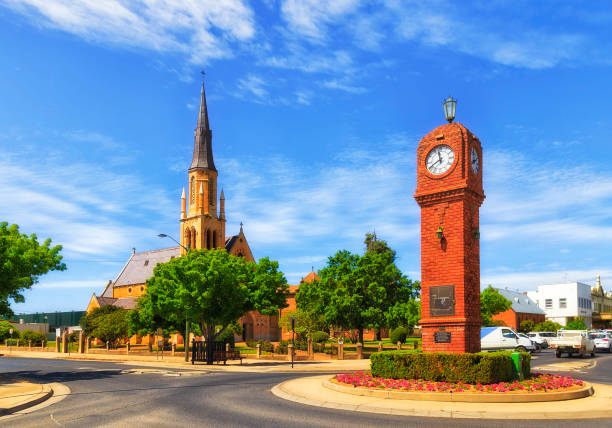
<point x="516" y="366"/>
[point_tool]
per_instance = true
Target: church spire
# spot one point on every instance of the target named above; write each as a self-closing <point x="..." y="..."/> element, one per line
<point x="202" y="149"/>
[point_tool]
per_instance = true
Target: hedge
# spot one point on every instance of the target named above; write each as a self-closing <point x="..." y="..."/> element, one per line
<point x="482" y="367"/>
<point x="398" y="335"/>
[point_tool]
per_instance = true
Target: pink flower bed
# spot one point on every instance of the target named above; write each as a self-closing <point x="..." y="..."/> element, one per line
<point x="538" y="382"/>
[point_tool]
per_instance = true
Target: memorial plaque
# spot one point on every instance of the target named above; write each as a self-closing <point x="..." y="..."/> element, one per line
<point x="442" y="337"/>
<point x="442" y="300"/>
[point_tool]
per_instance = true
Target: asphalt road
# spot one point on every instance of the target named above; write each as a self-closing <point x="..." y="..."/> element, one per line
<point x="103" y="396"/>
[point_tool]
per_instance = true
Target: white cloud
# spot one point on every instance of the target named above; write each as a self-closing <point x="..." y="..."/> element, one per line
<point x="202" y="30"/>
<point x="525" y="281"/>
<point x="342" y="86"/>
<point x="310" y="17"/>
<point x="253" y="87"/>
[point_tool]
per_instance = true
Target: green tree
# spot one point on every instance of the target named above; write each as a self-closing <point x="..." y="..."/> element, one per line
<point x="547" y="326"/>
<point x="358" y="292"/>
<point x="491" y="303"/>
<point x="576" y="324"/>
<point x="36" y="337"/>
<point x="526" y="326"/>
<point x="211" y="289"/>
<point x="306" y="323"/>
<point x="107" y="323"/>
<point x="22" y="261"/>
<point x="5" y="331"/>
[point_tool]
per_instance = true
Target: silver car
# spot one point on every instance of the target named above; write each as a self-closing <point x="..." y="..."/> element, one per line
<point x="603" y="340"/>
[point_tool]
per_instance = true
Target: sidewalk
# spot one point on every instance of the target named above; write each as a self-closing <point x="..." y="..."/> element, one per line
<point x="310" y="391"/>
<point x="17" y="394"/>
<point x="176" y="362"/>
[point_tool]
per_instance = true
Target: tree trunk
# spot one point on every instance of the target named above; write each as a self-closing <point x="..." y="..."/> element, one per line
<point x="361" y="335"/>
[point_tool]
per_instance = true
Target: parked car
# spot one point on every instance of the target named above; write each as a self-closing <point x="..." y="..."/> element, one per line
<point x="603" y="340"/>
<point x="542" y="337"/>
<point x="537" y="347"/>
<point x="573" y="342"/>
<point x="503" y="338"/>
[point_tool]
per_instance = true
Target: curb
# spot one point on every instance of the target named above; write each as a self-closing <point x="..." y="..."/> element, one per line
<point x="585" y="391"/>
<point x="44" y="395"/>
<point x="315" y="394"/>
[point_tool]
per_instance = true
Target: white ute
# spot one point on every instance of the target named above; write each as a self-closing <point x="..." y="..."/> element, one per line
<point x="572" y="342"/>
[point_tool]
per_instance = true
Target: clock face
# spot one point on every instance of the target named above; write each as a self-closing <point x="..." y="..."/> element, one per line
<point x="440" y="159"/>
<point x="474" y="160"/>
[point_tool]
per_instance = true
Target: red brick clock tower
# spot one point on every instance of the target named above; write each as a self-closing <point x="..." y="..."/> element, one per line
<point x="449" y="192"/>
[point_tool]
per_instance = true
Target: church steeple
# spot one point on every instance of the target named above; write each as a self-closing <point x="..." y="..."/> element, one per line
<point x="202" y="150"/>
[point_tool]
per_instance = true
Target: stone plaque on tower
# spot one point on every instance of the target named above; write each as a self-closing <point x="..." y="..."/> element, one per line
<point x="449" y="192"/>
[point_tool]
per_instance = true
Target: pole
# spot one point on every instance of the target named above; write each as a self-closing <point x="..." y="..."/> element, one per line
<point x="157" y="347"/>
<point x="293" y="341"/>
<point x="186" y="341"/>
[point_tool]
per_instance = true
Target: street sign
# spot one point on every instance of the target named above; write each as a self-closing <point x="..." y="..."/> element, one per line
<point x="11" y="331"/>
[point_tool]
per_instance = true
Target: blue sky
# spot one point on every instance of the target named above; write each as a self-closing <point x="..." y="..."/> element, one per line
<point x="316" y="110"/>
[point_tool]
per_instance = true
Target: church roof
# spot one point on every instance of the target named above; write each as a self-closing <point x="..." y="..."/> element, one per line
<point x="520" y="302"/>
<point x="140" y="266"/>
<point x="202" y="149"/>
<point x="310" y="277"/>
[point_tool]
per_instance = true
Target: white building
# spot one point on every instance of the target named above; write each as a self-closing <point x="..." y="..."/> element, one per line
<point x="565" y="302"/>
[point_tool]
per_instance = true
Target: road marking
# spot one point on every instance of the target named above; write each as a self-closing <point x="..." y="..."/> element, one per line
<point x="54" y="420"/>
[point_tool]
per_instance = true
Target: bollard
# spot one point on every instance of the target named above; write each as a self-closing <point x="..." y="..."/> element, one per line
<point x="341" y="351"/>
<point x="65" y="342"/>
<point x="380" y="347"/>
<point x="44" y="342"/>
<point x="58" y="342"/>
<point x="87" y="344"/>
<point x="81" y="344"/>
<point x="129" y="346"/>
<point x="29" y="345"/>
<point x="399" y="345"/>
<point x="107" y="346"/>
<point x="258" y="351"/>
<point x="289" y="352"/>
<point x="173" y="349"/>
<point x="310" y="350"/>
<point x="359" y="348"/>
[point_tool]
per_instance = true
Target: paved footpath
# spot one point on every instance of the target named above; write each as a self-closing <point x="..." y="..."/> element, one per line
<point x="17" y="394"/>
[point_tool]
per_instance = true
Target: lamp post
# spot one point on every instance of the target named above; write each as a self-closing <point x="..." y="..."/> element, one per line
<point x="449" y="106"/>
<point x="186" y="338"/>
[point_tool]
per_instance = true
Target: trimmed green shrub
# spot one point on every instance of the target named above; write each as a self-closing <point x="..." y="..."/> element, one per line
<point x="482" y="367"/>
<point x="319" y="337"/>
<point x="227" y="336"/>
<point x="282" y="347"/>
<point x="5" y="328"/>
<point x="398" y="335"/>
<point x="251" y="343"/>
<point x="35" y="336"/>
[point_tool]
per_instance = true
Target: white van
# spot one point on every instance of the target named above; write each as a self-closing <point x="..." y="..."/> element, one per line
<point x="503" y="339"/>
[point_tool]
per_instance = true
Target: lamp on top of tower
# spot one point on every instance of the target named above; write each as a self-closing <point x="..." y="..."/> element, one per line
<point x="449" y="108"/>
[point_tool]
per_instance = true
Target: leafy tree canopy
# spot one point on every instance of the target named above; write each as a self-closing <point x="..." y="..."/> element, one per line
<point x="491" y="303"/>
<point x="107" y="323"/>
<point x="359" y="292"/>
<point x="306" y="323"/>
<point x="22" y="261"/>
<point x="576" y="324"/>
<point x="527" y="326"/>
<point x="547" y="326"/>
<point x="5" y="331"/>
<point x="211" y="289"/>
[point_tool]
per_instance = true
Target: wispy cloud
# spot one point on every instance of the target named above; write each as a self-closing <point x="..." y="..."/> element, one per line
<point x="202" y="30"/>
<point x="252" y="87"/>
<point x="343" y="86"/>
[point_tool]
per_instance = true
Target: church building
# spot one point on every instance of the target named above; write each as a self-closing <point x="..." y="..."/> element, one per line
<point x="202" y="222"/>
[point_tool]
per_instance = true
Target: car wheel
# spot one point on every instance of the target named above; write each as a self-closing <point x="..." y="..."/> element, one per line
<point x="521" y="349"/>
<point x="610" y="349"/>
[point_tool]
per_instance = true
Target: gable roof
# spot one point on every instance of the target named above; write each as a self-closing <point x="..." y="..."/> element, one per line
<point x="521" y="302"/>
<point x="140" y="266"/>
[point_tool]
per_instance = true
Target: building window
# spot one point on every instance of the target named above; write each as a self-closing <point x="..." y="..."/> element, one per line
<point x="562" y="303"/>
<point x="548" y="303"/>
<point x="130" y="290"/>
